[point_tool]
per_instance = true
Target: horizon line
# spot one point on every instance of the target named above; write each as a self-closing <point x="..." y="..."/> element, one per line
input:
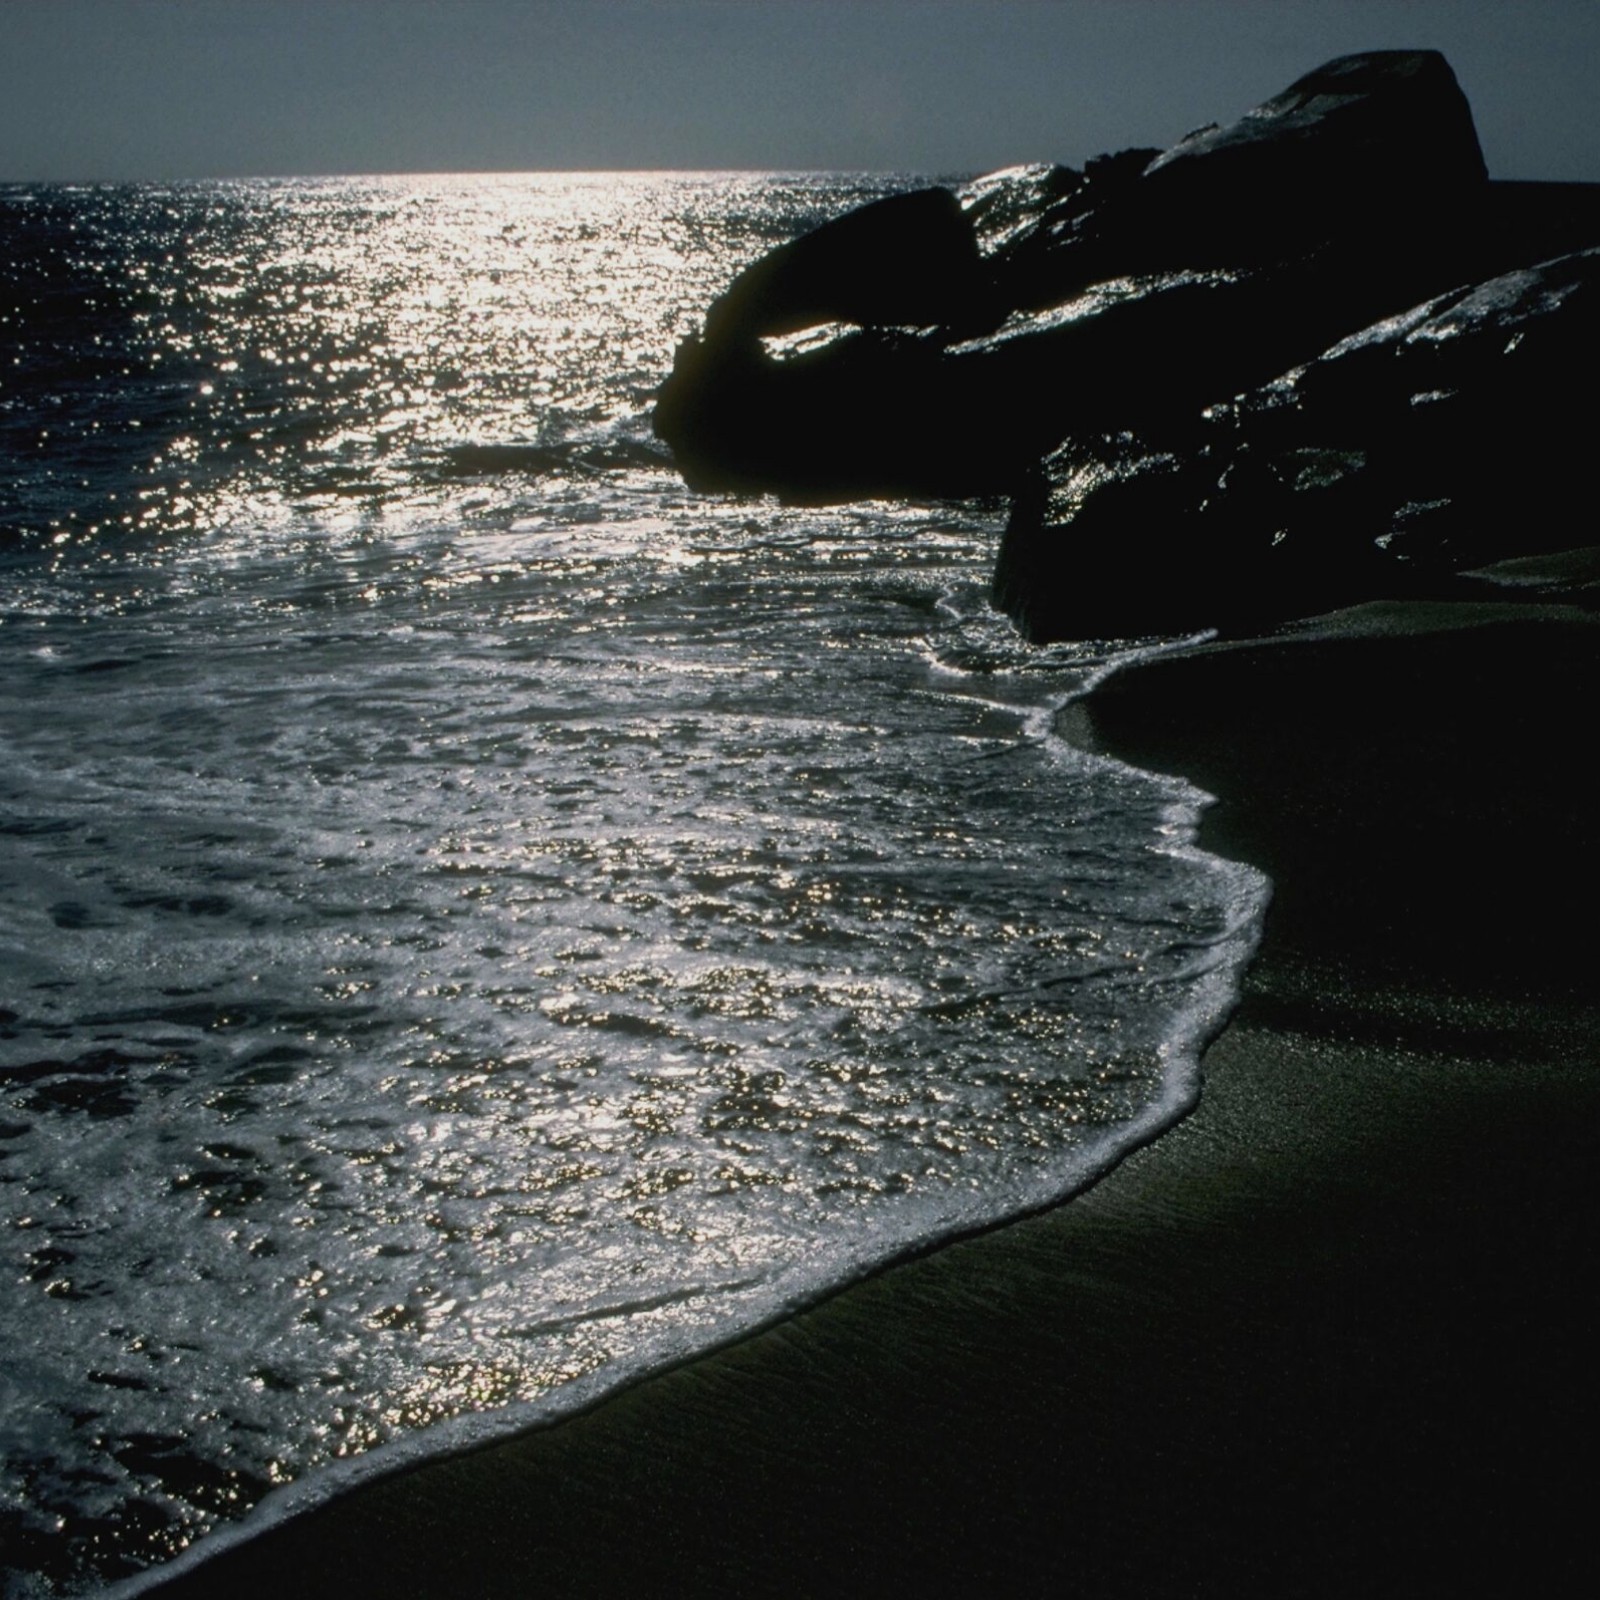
<point x="515" y="172"/>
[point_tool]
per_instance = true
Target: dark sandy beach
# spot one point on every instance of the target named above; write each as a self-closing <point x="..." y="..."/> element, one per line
<point x="1333" y="1335"/>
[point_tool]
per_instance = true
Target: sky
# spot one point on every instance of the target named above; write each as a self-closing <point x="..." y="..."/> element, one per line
<point x="170" y="89"/>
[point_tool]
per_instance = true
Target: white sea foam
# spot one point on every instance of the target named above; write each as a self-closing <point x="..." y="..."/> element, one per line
<point x="490" y="925"/>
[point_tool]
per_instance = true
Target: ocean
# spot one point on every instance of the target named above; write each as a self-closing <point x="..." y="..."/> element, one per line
<point x="480" y="922"/>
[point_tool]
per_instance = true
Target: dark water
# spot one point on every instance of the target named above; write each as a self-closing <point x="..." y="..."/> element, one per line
<point x="479" y="921"/>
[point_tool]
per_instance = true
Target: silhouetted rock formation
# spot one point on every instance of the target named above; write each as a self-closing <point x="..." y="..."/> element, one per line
<point x="1162" y="360"/>
<point x="1363" y="138"/>
<point x="1431" y="443"/>
<point x="911" y="260"/>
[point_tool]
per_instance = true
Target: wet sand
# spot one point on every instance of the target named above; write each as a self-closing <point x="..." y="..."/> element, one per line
<point x="1332" y="1335"/>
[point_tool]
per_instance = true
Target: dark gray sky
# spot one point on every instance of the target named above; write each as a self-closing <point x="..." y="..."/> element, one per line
<point x="100" y="89"/>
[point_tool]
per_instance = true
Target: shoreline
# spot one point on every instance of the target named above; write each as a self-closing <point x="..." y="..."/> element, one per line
<point x="1327" y="1335"/>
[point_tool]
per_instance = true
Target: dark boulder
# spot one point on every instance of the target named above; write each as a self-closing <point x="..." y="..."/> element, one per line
<point x="1432" y="443"/>
<point x="942" y="345"/>
<point x="870" y="412"/>
<point x="855" y="411"/>
<point x="1375" y="148"/>
<point x="848" y="411"/>
<point x="908" y="261"/>
<point x="861" y="415"/>
<point x="1366" y="140"/>
<point x="1383" y="122"/>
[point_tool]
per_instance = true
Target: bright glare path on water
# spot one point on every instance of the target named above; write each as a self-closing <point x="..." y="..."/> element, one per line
<point x="479" y="921"/>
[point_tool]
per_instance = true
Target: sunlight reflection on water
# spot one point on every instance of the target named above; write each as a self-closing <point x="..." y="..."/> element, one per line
<point x="479" y="919"/>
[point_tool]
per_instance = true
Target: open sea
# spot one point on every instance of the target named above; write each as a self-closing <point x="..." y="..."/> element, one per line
<point x="477" y="921"/>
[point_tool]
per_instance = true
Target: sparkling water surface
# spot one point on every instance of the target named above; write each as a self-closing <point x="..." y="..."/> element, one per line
<point x="479" y="921"/>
